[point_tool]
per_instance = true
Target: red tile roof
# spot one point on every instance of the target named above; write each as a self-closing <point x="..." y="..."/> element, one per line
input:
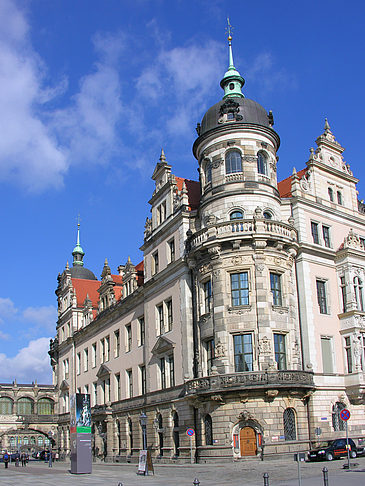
<point x="284" y="186"/>
<point x="83" y="287"/>
<point x="140" y="273"/>
<point x="193" y="188"/>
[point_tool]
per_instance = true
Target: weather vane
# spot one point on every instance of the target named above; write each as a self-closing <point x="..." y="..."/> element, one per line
<point x="229" y="29"/>
<point x="78" y="219"/>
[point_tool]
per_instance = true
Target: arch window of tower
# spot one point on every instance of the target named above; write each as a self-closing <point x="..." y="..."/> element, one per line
<point x="267" y="215"/>
<point x="236" y="215"/>
<point x="233" y="162"/>
<point x="208" y="172"/>
<point x="262" y="164"/>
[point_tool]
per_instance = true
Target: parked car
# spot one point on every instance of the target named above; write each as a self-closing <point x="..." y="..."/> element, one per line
<point x="335" y="449"/>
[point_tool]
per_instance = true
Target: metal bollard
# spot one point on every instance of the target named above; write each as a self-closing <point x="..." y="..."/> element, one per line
<point x="266" y="479"/>
<point x="325" y="476"/>
<point x="120" y="484"/>
<point x="196" y="482"/>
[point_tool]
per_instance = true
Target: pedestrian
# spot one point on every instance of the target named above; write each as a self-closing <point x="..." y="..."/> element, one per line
<point x="23" y="458"/>
<point x="6" y="459"/>
<point x="17" y="457"/>
<point x="50" y="459"/>
<point x="56" y="456"/>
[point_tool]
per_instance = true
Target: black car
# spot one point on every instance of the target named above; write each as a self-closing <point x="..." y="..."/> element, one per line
<point x="334" y="449"/>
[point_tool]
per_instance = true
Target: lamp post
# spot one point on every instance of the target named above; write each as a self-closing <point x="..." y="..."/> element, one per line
<point x="143" y="422"/>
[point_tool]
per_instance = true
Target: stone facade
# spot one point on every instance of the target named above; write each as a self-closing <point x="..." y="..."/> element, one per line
<point x="245" y="319"/>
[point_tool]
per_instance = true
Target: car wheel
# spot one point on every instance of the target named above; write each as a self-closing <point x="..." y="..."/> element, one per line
<point x="353" y="454"/>
<point x="329" y="456"/>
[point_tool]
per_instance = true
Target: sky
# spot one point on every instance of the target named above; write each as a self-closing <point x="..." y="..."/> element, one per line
<point x="91" y="90"/>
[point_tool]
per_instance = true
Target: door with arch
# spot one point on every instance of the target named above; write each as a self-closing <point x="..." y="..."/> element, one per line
<point x="248" y="445"/>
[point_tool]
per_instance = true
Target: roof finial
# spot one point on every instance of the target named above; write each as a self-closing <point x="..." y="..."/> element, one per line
<point x="327" y="127"/>
<point x="232" y="81"/>
<point x="162" y="156"/>
<point x="78" y="253"/>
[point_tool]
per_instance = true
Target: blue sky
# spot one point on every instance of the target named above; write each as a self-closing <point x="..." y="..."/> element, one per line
<point x="91" y="90"/>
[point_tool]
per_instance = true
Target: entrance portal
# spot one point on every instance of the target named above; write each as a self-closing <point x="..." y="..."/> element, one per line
<point x="248" y="445"/>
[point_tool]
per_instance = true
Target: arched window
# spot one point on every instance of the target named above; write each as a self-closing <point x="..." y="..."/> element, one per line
<point x="175" y="434"/>
<point x="40" y="441"/>
<point x="208" y="429"/>
<point x="32" y="440"/>
<point x="208" y="172"/>
<point x="267" y="215"/>
<point x="236" y="215"/>
<point x="337" y="422"/>
<point x="25" y="406"/>
<point x="290" y="430"/>
<point x="262" y="163"/>
<point x="233" y="162"/>
<point x="45" y="406"/>
<point x="12" y="441"/>
<point x="6" y="406"/>
<point x="330" y="194"/>
<point x="358" y="290"/>
<point x="26" y="440"/>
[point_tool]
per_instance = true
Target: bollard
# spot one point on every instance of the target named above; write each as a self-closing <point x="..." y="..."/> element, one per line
<point x="266" y="479"/>
<point x="120" y="484"/>
<point x="325" y="476"/>
<point x="196" y="482"/>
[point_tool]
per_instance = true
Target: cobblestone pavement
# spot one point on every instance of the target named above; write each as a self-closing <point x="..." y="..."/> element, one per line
<point x="282" y="472"/>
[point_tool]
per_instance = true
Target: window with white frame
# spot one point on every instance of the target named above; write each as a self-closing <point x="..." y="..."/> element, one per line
<point x="233" y="161"/>
<point x="142" y="331"/>
<point x="348" y="354"/>
<point x="327" y="354"/>
<point x="326" y="236"/>
<point x="210" y="354"/>
<point x="65" y="366"/>
<point x="315" y="233"/>
<point x="207" y="296"/>
<point x="280" y="351"/>
<point x="143" y="379"/>
<point x="128" y="337"/>
<point x="262" y="163"/>
<point x="275" y="287"/>
<point x="129" y="376"/>
<point x="117" y="387"/>
<point x="243" y="352"/>
<point x="164" y="316"/>
<point x="93" y="354"/>
<point x="343" y="293"/>
<point x="78" y="363"/>
<point x="155" y="263"/>
<point x="358" y="291"/>
<point x="116" y="343"/>
<point x="322" y="296"/>
<point x="330" y="194"/>
<point x="86" y="359"/>
<point x="167" y="371"/>
<point x="171" y="250"/>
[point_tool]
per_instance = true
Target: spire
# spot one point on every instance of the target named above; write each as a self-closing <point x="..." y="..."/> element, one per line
<point x="232" y="81"/>
<point x="162" y="157"/>
<point x="78" y="253"/>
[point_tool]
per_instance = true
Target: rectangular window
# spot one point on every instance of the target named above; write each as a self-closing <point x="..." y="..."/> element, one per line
<point x="78" y="363"/>
<point x="129" y="383"/>
<point x="117" y="387"/>
<point x="163" y="372"/>
<point x="321" y="296"/>
<point x="327" y="354"/>
<point x="315" y="234"/>
<point x="343" y="293"/>
<point x="102" y="351"/>
<point x="65" y="369"/>
<point x="280" y="352"/>
<point x="168" y="304"/>
<point x="326" y="236"/>
<point x="171" y="250"/>
<point x="155" y="263"/>
<point x="161" y="322"/>
<point x="243" y="352"/>
<point x="339" y="198"/>
<point x="172" y="370"/>
<point x="207" y="296"/>
<point x="107" y="348"/>
<point x="95" y="393"/>
<point x="239" y="286"/>
<point x="142" y="331"/>
<point x="363" y="351"/>
<point x="210" y="347"/>
<point x="142" y="371"/>
<point x="348" y="352"/>
<point x="128" y="337"/>
<point x="116" y="343"/>
<point x="107" y="390"/>
<point x="93" y="355"/>
<point x="86" y="359"/>
<point x="86" y="389"/>
<point x="275" y="285"/>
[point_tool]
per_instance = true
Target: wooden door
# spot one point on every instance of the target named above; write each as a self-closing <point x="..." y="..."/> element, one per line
<point x="248" y="441"/>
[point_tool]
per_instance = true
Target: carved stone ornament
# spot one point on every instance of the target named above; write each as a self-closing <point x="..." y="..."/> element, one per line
<point x="236" y="260"/>
<point x="214" y="252"/>
<point x="260" y="267"/>
<point x="245" y="415"/>
<point x="216" y="273"/>
<point x="352" y="240"/>
<point x="265" y="345"/>
<point x="230" y="106"/>
<point x="217" y="163"/>
<point x="220" y="349"/>
<point x="210" y="220"/>
<point x="249" y="158"/>
<point x="205" y="269"/>
<point x="271" y="394"/>
<point x="217" y="398"/>
<point x="239" y="310"/>
<point x="305" y="182"/>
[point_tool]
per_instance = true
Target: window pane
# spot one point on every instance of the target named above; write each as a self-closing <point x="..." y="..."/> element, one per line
<point x="233" y="162"/>
<point x="280" y="354"/>
<point x="239" y="286"/>
<point x="243" y="353"/>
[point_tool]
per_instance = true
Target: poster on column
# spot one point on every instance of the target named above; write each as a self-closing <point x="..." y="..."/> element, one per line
<point x="80" y="428"/>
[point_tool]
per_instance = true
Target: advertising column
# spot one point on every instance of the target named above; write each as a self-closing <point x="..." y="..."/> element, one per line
<point x="80" y="428"/>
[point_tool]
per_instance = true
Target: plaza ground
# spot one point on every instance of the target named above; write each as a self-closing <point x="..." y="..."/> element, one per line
<point x="282" y="472"/>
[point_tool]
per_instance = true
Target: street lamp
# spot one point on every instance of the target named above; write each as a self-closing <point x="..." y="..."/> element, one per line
<point x="143" y="422"/>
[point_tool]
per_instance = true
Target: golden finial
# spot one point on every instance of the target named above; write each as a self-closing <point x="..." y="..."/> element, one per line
<point x="229" y="30"/>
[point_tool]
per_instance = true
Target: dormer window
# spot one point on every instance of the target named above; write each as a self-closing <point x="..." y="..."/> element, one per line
<point x="236" y="215"/>
<point x="233" y="162"/>
<point x="262" y="164"/>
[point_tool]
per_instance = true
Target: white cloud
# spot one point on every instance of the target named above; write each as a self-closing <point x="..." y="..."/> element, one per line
<point x="7" y="309"/>
<point x="31" y="363"/>
<point x="42" y="317"/>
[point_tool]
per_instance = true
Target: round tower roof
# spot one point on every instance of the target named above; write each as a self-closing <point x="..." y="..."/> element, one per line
<point x="81" y="272"/>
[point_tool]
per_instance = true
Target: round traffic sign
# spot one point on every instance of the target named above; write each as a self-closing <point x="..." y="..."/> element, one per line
<point x="345" y="414"/>
<point x="190" y="432"/>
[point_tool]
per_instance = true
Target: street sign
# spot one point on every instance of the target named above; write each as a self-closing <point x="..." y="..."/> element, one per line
<point x="190" y="432"/>
<point x="345" y="414"/>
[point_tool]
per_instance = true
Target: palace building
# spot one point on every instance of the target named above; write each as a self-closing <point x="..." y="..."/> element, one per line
<point x="244" y="321"/>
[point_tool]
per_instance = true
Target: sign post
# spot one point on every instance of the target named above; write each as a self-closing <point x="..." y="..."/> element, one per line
<point x="80" y="428"/>
<point x="190" y="433"/>
<point x="345" y="415"/>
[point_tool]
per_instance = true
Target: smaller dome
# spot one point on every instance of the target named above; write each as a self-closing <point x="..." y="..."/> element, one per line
<point x="248" y="111"/>
<point x="81" y="272"/>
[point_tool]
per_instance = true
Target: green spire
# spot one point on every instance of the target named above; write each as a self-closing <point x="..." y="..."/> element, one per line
<point x="78" y="253"/>
<point x="232" y="81"/>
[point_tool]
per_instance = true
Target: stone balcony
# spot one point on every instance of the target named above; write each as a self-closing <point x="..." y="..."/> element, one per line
<point x="260" y="229"/>
<point x="251" y="380"/>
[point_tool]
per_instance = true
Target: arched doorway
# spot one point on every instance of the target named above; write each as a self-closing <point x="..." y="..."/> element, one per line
<point x="248" y="444"/>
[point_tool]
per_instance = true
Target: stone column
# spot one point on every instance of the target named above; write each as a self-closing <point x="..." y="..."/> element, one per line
<point x="110" y="437"/>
